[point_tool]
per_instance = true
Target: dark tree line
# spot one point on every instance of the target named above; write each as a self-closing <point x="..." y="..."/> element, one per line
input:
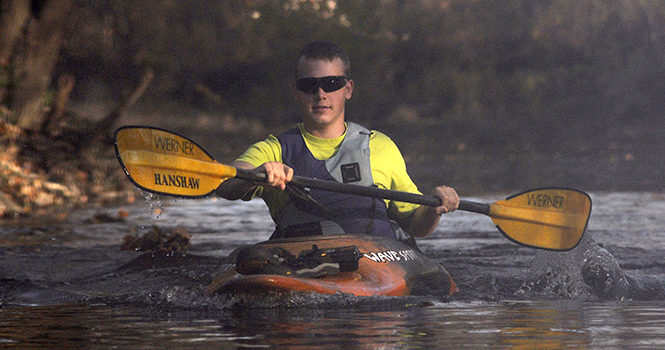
<point x="536" y="70"/>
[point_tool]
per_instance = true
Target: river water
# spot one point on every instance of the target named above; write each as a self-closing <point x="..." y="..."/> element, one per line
<point x="68" y="285"/>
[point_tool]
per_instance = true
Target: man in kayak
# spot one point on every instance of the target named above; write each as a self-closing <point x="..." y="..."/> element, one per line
<point x="325" y="146"/>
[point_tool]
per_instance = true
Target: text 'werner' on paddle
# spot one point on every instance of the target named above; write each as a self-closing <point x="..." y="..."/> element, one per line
<point x="545" y="201"/>
<point x="174" y="145"/>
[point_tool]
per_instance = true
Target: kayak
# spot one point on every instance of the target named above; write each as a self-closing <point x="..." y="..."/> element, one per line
<point x="384" y="267"/>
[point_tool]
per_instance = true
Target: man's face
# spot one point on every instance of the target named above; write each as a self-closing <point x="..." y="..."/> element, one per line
<point x="322" y="109"/>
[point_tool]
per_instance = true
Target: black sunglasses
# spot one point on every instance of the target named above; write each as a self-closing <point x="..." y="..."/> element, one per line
<point x="328" y="84"/>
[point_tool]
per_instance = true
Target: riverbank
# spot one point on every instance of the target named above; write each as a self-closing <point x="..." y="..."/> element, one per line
<point x="46" y="175"/>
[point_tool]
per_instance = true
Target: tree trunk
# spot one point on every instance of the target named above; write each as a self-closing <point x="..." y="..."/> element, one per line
<point x="35" y="61"/>
<point x="13" y="16"/>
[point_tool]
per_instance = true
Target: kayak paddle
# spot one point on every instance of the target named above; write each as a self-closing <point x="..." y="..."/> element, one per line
<point x="162" y="162"/>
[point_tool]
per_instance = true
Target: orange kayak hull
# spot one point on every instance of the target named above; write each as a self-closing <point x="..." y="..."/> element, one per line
<point x="387" y="267"/>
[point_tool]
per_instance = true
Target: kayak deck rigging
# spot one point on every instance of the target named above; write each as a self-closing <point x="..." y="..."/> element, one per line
<point x="384" y="267"/>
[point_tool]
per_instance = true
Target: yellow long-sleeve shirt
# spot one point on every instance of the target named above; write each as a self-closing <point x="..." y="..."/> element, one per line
<point x="386" y="161"/>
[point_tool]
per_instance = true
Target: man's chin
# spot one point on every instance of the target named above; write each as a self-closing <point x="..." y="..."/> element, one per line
<point x="320" y="119"/>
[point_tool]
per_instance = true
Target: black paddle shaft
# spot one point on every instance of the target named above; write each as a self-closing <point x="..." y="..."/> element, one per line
<point x="365" y="191"/>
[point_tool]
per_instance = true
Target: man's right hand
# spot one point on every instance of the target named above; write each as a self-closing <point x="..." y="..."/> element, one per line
<point x="277" y="174"/>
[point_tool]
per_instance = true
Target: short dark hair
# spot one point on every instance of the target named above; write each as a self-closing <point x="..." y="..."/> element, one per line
<point x="325" y="50"/>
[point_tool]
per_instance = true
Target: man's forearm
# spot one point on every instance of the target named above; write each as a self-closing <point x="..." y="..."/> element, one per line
<point x="423" y="221"/>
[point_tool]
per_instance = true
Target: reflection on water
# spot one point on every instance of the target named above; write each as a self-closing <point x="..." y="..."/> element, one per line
<point x="89" y="327"/>
<point x="506" y="325"/>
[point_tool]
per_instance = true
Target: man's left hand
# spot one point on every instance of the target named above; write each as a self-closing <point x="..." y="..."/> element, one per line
<point x="449" y="199"/>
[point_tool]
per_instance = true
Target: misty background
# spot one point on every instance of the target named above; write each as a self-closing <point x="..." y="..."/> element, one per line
<point x="479" y="95"/>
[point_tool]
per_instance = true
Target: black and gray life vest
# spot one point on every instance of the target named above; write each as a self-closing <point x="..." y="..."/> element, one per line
<point x="336" y="213"/>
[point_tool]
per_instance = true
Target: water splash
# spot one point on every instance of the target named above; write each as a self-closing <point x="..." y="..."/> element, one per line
<point x="149" y="197"/>
<point x="588" y="272"/>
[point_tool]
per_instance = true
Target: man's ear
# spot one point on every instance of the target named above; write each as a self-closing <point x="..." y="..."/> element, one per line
<point x="349" y="89"/>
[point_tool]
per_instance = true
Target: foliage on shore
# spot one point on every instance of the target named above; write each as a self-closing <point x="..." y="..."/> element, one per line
<point x="50" y="174"/>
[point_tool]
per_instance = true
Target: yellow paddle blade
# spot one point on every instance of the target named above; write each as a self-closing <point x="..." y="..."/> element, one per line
<point x="161" y="162"/>
<point x="549" y="218"/>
